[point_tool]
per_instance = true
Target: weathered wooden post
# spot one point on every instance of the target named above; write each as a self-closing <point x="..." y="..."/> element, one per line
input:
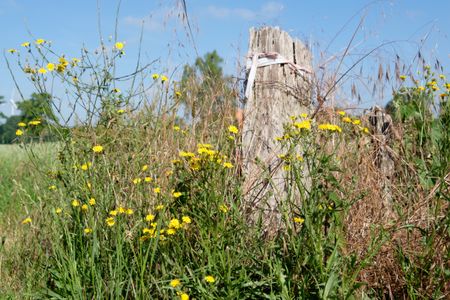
<point x="278" y="86"/>
<point x="382" y="132"/>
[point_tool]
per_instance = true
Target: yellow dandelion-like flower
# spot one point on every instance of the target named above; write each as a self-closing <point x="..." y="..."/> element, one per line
<point x="175" y="223"/>
<point x="346" y="120"/>
<point x="148" y="179"/>
<point x="184" y="296"/>
<point x="177" y="194"/>
<point x="88" y="230"/>
<point x="129" y="211"/>
<point x="12" y="50"/>
<point x="210" y="279"/>
<point x="223" y="208"/>
<point x="42" y="71"/>
<point x="110" y="221"/>
<point x="58" y="210"/>
<point x="233" y="129"/>
<point x="75" y="203"/>
<point x="421" y="88"/>
<point x="97" y="149"/>
<point x="228" y="165"/>
<point x="113" y="213"/>
<point x="92" y="201"/>
<point x="303" y="115"/>
<point x="186" y="219"/>
<point x="299" y="220"/>
<point x="176" y="128"/>
<point x="365" y="130"/>
<point x="159" y="207"/>
<point x="34" y="122"/>
<point x="84" y="207"/>
<point x="25" y="44"/>
<point x="121" y="210"/>
<point x="26" y="221"/>
<point x="21" y="124"/>
<point x="137" y="180"/>
<point x="120" y="111"/>
<point x="287" y="167"/>
<point x="171" y="231"/>
<point x="163" y="78"/>
<point x="84" y="167"/>
<point x="149" y="217"/>
<point x="186" y="154"/>
<point x="40" y="41"/>
<point x="19" y="132"/>
<point x="177" y="94"/>
<point x="118" y="45"/>
<point x="52" y="188"/>
<point x="144" y="168"/>
<point x="175" y="282"/>
<point x="116" y="90"/>
<point x="157" y="190"/>
<point x="356" y="122"/>
<point x="329" y="127"/>
<point x="305" y="124"/>
<point x="402" y="77"/>
<point x="155" y="76"/>
<point x="51" y="67"/>
<point x="341" y="112"/>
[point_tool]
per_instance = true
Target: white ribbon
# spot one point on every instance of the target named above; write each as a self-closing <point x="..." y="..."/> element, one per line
<point x="266" y="59"/>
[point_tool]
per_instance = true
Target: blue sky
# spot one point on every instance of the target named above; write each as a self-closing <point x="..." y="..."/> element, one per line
<point x="223" y="25"/>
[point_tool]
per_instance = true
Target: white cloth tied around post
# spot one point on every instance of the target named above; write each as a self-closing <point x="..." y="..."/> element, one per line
<point x="266" y="59"/>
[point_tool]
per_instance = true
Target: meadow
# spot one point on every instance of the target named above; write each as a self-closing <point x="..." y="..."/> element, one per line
<point x="146" y="202"/>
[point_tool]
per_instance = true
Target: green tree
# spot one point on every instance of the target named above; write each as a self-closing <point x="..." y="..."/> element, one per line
<point x="38" y="107"/>
<point x="2" y="115"/>
<point x="206" y="91"/>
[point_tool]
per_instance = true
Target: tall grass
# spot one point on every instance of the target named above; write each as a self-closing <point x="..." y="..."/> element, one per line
<point x="139" y="202"/>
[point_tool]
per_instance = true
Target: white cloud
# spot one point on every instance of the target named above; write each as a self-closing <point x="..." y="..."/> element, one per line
<point x="154" y="21"/>
<point x="268" y="10"/>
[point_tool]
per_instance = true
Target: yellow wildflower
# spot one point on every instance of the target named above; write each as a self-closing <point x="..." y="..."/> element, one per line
<point x="163" y="78"/>
<point x="186" y="154"/>
<point x="40" y="41"/>
<point x="87" y="230"/>
<point x="149" y="217"/>
<point x="186" y="219"/>
<point x="175" y="282"/>
<point x="118" y="45"/>
<point x="184" y="296"/>
<point x="329" y="127"/>
<point x="25" y="44"/>
<point x="120" y="111"/>
<point x="365" y="130"/>
<point x="299" y="220"/>
<point x="342" y="113"/>
<point x="228" y="165"/>
<point x="176" y="128"/>
<point x="346" y="120"/>
<point x="129" y="211"/>
<point x="177" y="94"/>
<point x="26" y="220"/>
<point x="75" y="203"/>
<point x="210" y="279"/>
<point x="116" y="90"/>
<point x="303" y="115"/>
<point x="305" y="124"/>
<point x="113" y="213"/>
<point x="19" y="132"/>
<point x="34" y="122"/>
<point x="21" y="124"/>
<point x="52" y="188"/>
<point x="137" y="180"/>
<point x="144" y="168"/>
<point x="155" y="76"/>
<point x="97" y="149"/>
<point x="171" y="231"/>
<point x="174" y="223"/>
<point x="402" y="77"/>
<point x="12" y="50"/>
<point x="356" y="122"/>
<point x="233" y="129"/>
<point x="223" y="208"/>
<point x="159" y="207"/>
<point x="58" y="210"/>
<point x="42" y="71"/>
<point x="84" y="207"/>
<point x="92" y="201"/>
<point x="110" y="221"/>
<point x="421" y="88"/>
<point x="157" y="190"/>
<point x="177" y="194"/>
<point x="148" y="179"/>
<point x="84" y="167"/>
<point x="50" y="66"/>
